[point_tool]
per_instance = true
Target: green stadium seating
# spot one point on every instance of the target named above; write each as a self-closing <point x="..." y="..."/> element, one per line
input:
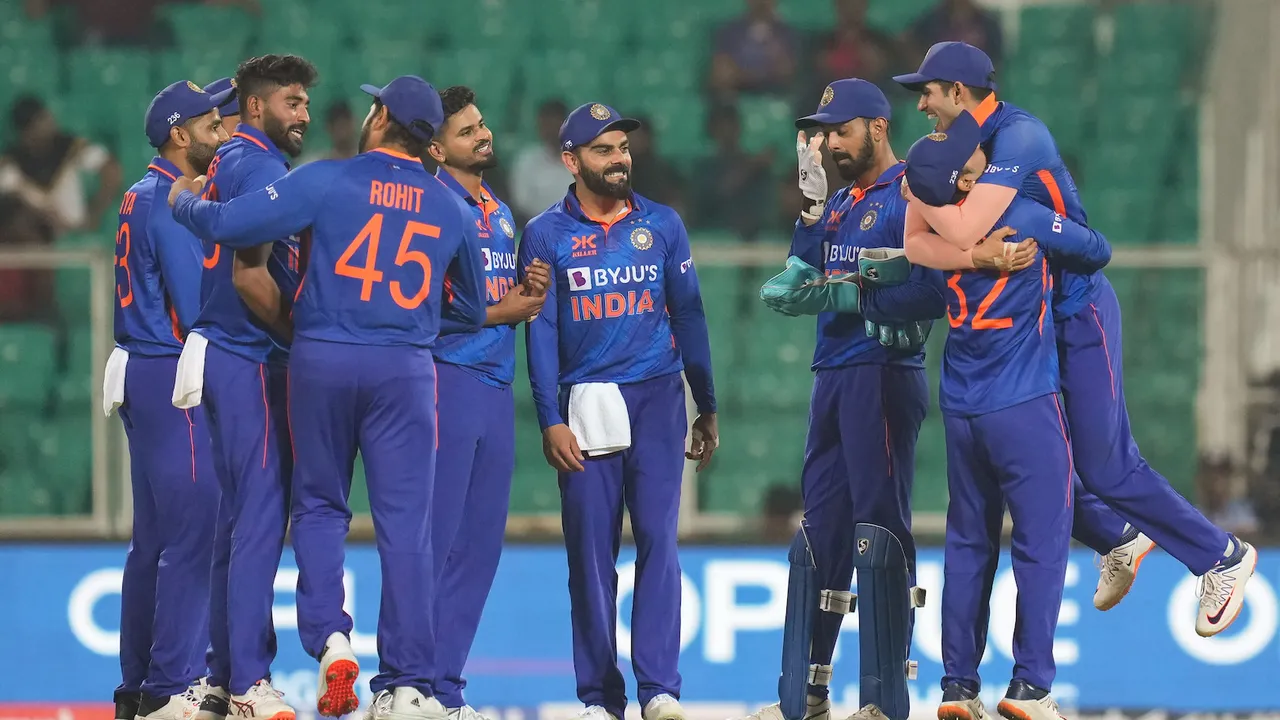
<point x="197" y="25"/>
<point x="895" y="16"/>
<point x="64" y="455"/>
<point x="27" y="364"/>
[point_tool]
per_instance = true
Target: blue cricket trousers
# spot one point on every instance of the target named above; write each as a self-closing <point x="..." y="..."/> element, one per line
<point x="249" y="428"/>
<point x="1106" y="456"/>
<point x="380" y="401"/>
<point x="647" y="476"/>
<point x="1020" y="455"/>
<point x="164" y="601"/>
<point x="474" y="465"/>
<point x="859" y="464"/>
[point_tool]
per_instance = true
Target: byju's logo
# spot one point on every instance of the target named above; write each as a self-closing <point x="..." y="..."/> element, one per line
<point x="579" y="278"/>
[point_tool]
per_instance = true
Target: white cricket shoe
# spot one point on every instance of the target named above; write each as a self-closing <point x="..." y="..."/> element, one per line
<point x="959" y="703"/>
<point x="214" y="701"/>
<point x="379" y="706"/>
<point x="662" y="707"/>
<point x="1024" y="702"/>
<point x="410" y="704"/>
<point x="1119" y="570"/>
<point x="816" y="708"/>
<point x="336" y="694"/>
<point x="1222" y="589"/>
<point x="182" y="706"/>
<point x="595" y="712"/>
<point x="867" y="712"/>
<point x="261" y="702"/>
<point x="466" y="712"/>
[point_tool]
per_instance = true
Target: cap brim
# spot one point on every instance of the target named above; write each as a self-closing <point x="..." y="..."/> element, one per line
<point x="913" y="81"/>
<point x="816" y="119"/>
<point x="373" y="90"/>
<point x="220" y="98"/>
<point x="625" y="125"/>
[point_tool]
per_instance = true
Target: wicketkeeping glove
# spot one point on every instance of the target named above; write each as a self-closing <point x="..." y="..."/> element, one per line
<point x="802" y="289"/>
<point x="813" y="178"/>
<point x="908" y="336"/>
<point x="884" y="266"/>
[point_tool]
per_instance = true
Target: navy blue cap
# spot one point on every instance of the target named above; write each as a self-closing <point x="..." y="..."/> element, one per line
<point x="589" y="122"/>
<point x="230" y="106"/>
<point x="175" y="105"/>
<point x="844" y="100"/>
<point x="952" y="62"/>
<point x="935" y="161"/>
<point x="412" y="102"/>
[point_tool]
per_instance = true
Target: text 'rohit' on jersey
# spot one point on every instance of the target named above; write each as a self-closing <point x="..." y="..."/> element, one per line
<point x="246" y="163"/>
<point x="157" y="266"/>
<point x="381" y="237"/>
<point x="624" y="304"/>
<point x="490" y="354"/>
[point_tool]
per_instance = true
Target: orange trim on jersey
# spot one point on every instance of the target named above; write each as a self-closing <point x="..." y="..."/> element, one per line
<point x="1044" y="279"/>
<point x="607" y="224"/>
<point x="191" y="434"/>
<point x="984" y="109"/>
<point x="266" y="413"/>
<point x="1055" y="193"/>
<point x="395" y="154"/>
<point x="1105" y="351"/>
<point x="175" y="326"/>
<point x="162" y="171"/>
<point x="255" y="141"/>
<point x="1071" y="463"/>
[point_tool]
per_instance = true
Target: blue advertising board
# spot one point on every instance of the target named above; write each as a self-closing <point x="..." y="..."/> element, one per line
<point x="60" y="606"/>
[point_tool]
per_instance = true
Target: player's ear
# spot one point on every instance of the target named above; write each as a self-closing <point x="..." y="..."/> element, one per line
<point x="179" y="137"/>
<point x="570" y="160"/>
<point x="436" y="152"/>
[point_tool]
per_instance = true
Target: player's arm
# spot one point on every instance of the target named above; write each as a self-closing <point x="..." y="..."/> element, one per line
<point x="1077" y="247"/>
<point x="284" y="206"/>
<point x="962" y="226"/>
<point x="181" y="264"/>
<point x="542" y="336"/>
<point x="688" y="319"/>
<point x="919" y="298"/>
<point x="464" y="284"/>
<point x="807" y="239"/>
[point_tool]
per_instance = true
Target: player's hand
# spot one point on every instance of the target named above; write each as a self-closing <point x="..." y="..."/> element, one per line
<point x="183" y="183"/>
<point x="705" y="440"/>
<point x="537" y="278"/>
<point x="994" y="253"/>
<point x="561" y="448"/>
<point x="518" y="306"/>
<point x="813" y="177"/>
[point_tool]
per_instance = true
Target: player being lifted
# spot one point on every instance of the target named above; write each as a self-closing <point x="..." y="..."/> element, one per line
<point x="1024" y="161"/>
<point x="164" y="598"/>
<point x="623" y="317"/>
<point x="362" y="377"/>
<point x="1007" y="439"/>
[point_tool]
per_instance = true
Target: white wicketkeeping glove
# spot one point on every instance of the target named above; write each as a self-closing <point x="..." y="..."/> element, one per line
<point x="813" y="178"/>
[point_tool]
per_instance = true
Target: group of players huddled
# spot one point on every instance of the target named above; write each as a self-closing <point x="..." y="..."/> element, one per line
<point x="271" y="324"/>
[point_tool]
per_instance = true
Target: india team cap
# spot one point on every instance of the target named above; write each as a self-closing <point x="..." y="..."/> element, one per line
<point x="844" y="100"/>
<point x="230" y="106"/>
<point x="413" y="103"/>
<point x="175" y="105"/>
<point x="934" y="162"/>
<point x="952" y="62"/>
<point x="589" y="122"/>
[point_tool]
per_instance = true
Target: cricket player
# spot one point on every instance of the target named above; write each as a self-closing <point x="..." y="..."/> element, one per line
<point x="477" y="456"/>
<point x="164" y="603"/>
<point x="230" y="108"/>
<point x="1024" y="161"/>
<point x="623" y="317"/>
<point x="234" y="364"/>
<point x="362" y="378"/>
<point x="1007" y="439"/>
<point x="868" y="402"/>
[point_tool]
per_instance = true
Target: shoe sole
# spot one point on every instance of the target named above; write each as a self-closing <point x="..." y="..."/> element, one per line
<point x="1011" y="712"/>
<point x="1239" y="606"/>
<point x="339" y="697"/>
<point x="1136" y="565"/>
<point x="957" y="711"/>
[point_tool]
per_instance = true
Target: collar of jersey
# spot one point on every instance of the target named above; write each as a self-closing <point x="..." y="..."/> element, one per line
<point x="986" y="109"/>
<point x="888" y="177"/>
<point x="254" y="136"/>
<point x="635" y="206"/>
<point x="165" y="168"/>
<point x="452" y="183"/>
<point x="392" y="156"/>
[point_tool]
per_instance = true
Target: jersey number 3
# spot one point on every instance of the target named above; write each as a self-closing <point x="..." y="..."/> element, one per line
<point x="369" y="275"/>
<point x="980" y="319"/>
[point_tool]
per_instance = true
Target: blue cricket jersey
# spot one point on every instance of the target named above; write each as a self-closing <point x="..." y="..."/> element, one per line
<point x="158" y="266"/>
<point x="1001" y="351"/>
<point x="623" y="306"/>
<point x="246" y="163"/>
<point x="382" y="234"/>
<point x="854" y="219"/>
<point x="1021" y="154"/>
<point x="490" y="354"/>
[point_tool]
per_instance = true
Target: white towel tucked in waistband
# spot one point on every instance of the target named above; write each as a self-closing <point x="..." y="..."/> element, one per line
<point x="113" y="381"/>
<point x="598" y="418"/>
<point x="188" y="384"/>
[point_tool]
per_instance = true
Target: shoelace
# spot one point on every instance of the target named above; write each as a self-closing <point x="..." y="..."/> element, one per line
<point x="382" y="703"/>
<point x="266" y="690"/>
<point x="594" y="712"/>
<point x="466" y="712"/>
<point x="1212" y="588"/>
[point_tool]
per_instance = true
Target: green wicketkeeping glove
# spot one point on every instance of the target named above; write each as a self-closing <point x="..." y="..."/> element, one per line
<point x="800" y="289"/>
<point x="909" y="336"/>
<point x="884" y="266"/>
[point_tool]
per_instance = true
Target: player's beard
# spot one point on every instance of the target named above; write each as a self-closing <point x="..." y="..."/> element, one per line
<point x="200" y="156"/>
<point x="280" y="134"/>
<point x="595" y="182"/>
<point x="481" y="163"/>
<point x="851" y="168"/>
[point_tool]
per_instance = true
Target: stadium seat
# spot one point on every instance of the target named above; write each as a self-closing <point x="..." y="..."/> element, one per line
<point x="767" y="123"/>
<point x="197" y="25"/>
<point x="768" y="450"/>
<point x="895" y="16"/>
<point x="26" y="364"/>
<point x="23" y="494"/>
<point x="64" y="457"/>
<point x="1066" y="26"/>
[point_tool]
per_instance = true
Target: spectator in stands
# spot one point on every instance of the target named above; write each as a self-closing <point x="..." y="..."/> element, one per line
<point x="756" y="53"/>
<point x="739" y="193"/>
<point x="117" y="22"/>
<point x="853" y="49"/>
<point x="960" y="20"/>
<point x="44" y="166"/>
<point x="538" y="176"/>
<point x="652" y="175"/>
<point x="340" y="124"/>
